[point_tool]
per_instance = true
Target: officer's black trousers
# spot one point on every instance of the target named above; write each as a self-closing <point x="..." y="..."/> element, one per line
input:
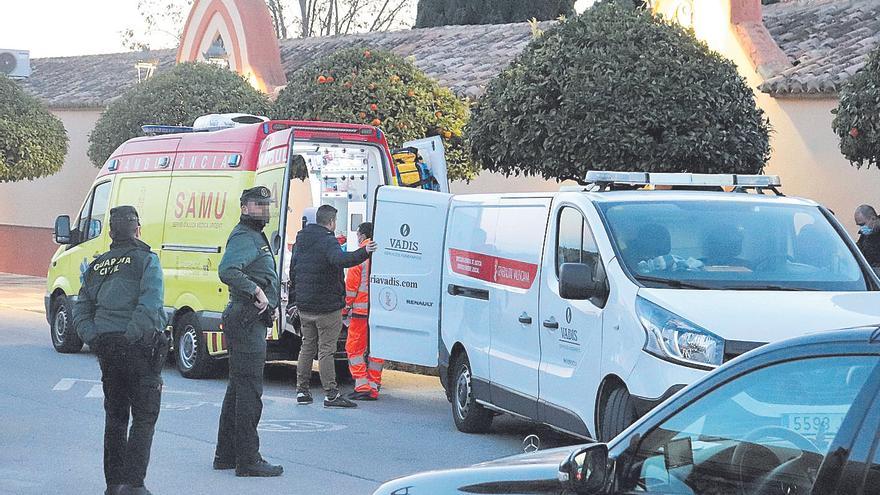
<point x="237" y="439"/>
<point x="132" y="389"/>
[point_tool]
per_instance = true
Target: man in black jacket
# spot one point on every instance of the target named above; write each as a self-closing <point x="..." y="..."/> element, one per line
<point x="318" y="284"/>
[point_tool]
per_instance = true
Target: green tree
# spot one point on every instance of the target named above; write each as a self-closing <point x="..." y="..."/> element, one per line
<point x="465" y="12"/>
<point x="857" y="117"/>
<point x="175" y="97"/>
<point x="618" y="89"/>
<point x="33" y="142"/>
<point x="376" y="87"/>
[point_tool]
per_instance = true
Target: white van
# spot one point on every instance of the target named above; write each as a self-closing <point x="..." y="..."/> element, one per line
<point x="584" y="308"/>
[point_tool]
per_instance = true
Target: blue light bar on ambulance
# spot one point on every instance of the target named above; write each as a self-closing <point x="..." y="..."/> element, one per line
<point x="682" y="179"/>
<point x="153" y="129"/>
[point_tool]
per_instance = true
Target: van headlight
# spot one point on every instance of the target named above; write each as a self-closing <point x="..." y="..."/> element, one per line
<point x="674" y="338"/>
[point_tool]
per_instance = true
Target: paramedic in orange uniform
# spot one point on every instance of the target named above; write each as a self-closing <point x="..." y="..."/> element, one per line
<point x="366" y="371"/>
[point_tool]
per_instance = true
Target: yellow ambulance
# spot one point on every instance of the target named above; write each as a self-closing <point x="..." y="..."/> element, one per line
<point x="185" y="183"/>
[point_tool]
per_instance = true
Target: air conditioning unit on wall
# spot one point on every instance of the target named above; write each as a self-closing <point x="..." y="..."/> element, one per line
<point x="15" y="63"/>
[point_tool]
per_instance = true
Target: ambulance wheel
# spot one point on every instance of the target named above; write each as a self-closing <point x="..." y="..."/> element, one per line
<point x="618" y="412"/>
<point x="64" y="337"/>
<point x="190" y="349"/>
<point x="469" y="416"/>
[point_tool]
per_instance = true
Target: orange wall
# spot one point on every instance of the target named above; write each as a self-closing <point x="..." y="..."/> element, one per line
<point x="26" y="250"/>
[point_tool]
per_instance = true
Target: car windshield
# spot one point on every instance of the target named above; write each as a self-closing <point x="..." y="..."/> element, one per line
<point x="738" y="245"/>
<point x="768" y="429"/>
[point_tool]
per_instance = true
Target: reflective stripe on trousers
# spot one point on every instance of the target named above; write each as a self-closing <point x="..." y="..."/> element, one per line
<point x="366" y="378"/>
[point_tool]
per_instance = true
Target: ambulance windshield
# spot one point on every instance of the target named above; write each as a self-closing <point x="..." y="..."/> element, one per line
<point x="735" y="245"/>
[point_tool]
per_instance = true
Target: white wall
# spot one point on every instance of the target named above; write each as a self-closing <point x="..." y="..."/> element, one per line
<point x="36" y="203"/>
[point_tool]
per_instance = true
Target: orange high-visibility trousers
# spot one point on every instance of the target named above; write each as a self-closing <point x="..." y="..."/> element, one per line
<point x="366" y="371"/>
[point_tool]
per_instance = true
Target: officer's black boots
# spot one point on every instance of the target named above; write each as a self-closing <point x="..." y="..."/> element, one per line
<point x="260" y="468"/>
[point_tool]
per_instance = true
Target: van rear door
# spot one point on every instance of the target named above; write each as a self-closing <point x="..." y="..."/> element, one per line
<point x="405" y="280"/>
<point x="434" y="154"/>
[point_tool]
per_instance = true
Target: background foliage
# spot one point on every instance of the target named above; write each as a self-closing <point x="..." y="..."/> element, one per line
<point x="618" y="89"/>
<point x="33" y="142"/>
<point x="367" y="86"/>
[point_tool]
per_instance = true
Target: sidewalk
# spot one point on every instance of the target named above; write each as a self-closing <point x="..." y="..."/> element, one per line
<point x="22" y="292"/>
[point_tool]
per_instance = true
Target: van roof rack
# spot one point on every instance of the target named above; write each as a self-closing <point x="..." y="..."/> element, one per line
<point x="599" y="181"/>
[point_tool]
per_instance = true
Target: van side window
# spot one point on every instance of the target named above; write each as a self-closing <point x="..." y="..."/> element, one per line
<point x="91" y="219"/>
<point x="569" y="237"/>
<point x="575" y="242"/>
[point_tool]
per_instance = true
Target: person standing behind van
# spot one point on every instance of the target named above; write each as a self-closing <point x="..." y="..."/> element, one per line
<point x="367" y="377"/>
<point x="248" y="268"/>
<point x="318" y="284"/>
<point x="119" y="315"/>
<point x="869" y="234"/>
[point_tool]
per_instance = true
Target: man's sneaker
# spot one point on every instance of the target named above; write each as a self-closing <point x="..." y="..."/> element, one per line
<point x="220" y="464"/>
<point x="304" y="398"/>
<point x="361" y="396"/>
<point x="261" y="469"/>
<point x="338" y="400"/>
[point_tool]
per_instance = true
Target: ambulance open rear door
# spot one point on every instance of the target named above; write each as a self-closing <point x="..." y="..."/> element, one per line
<point x="406" y="273"/>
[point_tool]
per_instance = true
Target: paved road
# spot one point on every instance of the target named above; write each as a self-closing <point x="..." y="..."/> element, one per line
<point x="52" y="424"/>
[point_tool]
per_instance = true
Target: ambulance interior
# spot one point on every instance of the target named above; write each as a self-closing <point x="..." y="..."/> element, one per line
<point x="345" y="176"/>
<point x="332" y="174"/>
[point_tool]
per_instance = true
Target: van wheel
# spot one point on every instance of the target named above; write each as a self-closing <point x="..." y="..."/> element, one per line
<point x="190" y="349"/>
<point x="64" y="337"/>
<point x="469" y="416"/>
<point x="618" y="412"/>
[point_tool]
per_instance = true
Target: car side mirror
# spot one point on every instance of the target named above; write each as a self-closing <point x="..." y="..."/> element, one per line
<point x="62" y="230"/>
<point x="578" y="282"/>
<point x="586" y="470"/>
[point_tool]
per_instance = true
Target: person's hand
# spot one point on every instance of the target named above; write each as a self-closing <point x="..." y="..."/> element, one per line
<point x="371" y="246"/>
<point x="261" y="302"/>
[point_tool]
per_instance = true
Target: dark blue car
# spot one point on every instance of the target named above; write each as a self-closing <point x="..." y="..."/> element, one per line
<point x="792" y="418"/>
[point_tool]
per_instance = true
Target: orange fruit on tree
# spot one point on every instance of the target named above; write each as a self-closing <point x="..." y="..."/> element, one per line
<point x="374" y="107"/>
<point x="362" y="115"/>
<point x="322" y="79"/>
<point x="376" y="122"/>
<point x="330" y="79"/>
<point x="410" y="93"/>
<point x="367" y="53"/>
<point x="447" y="134"/>
<point x="438" y="114"/>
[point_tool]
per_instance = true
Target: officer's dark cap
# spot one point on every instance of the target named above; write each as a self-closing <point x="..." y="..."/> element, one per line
<point x="124" y="222"/>
<point x="259" y="194"/>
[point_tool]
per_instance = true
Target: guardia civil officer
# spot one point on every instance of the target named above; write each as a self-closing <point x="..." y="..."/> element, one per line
<point x="248" y="268"/>
<point x="119" y="315"/>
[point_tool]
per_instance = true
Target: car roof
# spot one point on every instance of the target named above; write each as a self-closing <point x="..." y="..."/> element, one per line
<point x="673" y="195"/>
<point x="858" y="339"/>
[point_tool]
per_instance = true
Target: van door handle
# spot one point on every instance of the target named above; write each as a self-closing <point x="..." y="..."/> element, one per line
<point x="474" y="293"/>
<point x="525" y="319"/>
<point x="551" y="323"/>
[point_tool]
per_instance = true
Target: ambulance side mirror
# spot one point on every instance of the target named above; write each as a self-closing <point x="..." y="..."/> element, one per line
<point x="62" y="230"/>
<point x="577" y="282"/>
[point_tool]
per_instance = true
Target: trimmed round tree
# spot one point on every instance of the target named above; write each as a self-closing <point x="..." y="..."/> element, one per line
<point x="175" y="97"/>
<point x="857" y="119"/>
<point x="33" y="142"/>
<point x="367" y="86"/>
<point x="618" y="89"/>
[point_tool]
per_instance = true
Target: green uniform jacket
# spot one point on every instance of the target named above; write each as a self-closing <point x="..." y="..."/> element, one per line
<point x="122" y="292"/>
<point x="247" y="263"/>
